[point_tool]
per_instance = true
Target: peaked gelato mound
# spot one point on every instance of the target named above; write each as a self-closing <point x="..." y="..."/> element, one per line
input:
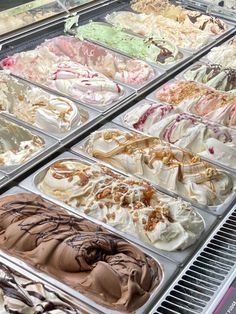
<point x="186" y="131"/>
<point x="68" y="77"/>
<point x="37" y="107"/>
<point x="17" y="145"/>
<point x="224" y="55"/>
<point x="19" y="294"/>
<point x="200" y="100"/>
<point x="130" y="205"/>
<point x="213" y="75"/>
<point x="77" y="252"/>
<point x="131" y="71"/>
<point x="155" y="50"/>
<point x="150" y="25"/>
<point x="207" y="23"/>
<point x="171" y="168"/>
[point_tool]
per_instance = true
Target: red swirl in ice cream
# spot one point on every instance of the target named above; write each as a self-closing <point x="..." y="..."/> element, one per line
<point x="114" y="66"/>
<point x="201" y="100"/>
<point x="184" y="130"/>
<point x="68" y="77"/>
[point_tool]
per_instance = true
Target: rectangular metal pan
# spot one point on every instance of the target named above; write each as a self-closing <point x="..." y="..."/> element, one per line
<point x="50" y="145"/>
<point x="152" y="97"/>
<point x="179" y="257"/>
<point x="74" y="302"/>
<point x="88" y="116"/>
<point x="187" y="51"/>
<point x="169" y="270"/>
<point x="120" y="121"/>
<point x="29" y="42"/>
<point x="184" y="55"/>
<point x="215" y="10"/>
<point x="216" y="210"/>
<point x="205" y="59"/>
<point x="187" y="5"/>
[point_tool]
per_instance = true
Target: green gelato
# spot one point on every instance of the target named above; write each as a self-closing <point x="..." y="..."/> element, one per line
<point x="149" y="49"/>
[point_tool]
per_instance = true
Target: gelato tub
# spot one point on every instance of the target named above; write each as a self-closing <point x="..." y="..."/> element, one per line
<point x="187" y="18"/>
<point x="209" y="140"/>
<point x="154" y="50"/>
<point x="126" y="205"/>
<point x="21" y="147"/>
<point x="212" y="75"/>
<point x="43" y="229"/>
<point x="58" y="116"/>
<point x="170" y="168"/>
<point x="198" y="99"/>
<point x="224" y="55"/>
<point x="130" y="71"/>
<point x="160" y="27"/>
<point x="22" y="292"/>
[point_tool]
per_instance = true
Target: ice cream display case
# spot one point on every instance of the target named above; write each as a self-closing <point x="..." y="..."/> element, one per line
<point x="117" y="159"/>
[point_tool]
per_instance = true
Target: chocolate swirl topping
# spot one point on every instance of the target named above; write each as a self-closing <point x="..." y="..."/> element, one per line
<point x="22" y="295"/>
<point x="77" y="252"/>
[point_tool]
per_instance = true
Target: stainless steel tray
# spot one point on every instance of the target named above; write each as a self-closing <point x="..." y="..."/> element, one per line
<point x="50" y="145"/>
<point x="183" y="56"/>
<point x="71" y="300"/>
<point x="169" y="270"/>
<point x="217" y="210"/>
<point x="29" y="43"/>
<point x="205" y="58"/>
<point x="179" y="257"/>
<point x="120" y="121"/>
<point x="202" y="61"/>
<point x="215" y="10"/>
<point x="186" y="50"/>
<point x="153" y="98"/>
<point x="89" y="116"/>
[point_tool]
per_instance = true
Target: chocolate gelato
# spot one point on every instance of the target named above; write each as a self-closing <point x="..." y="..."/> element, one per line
<point x="76" y="251"/>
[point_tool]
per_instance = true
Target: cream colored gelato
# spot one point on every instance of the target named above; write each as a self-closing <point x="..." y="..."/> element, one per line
<point x="68" y="77"/>
<point x="127" y="204"/>
<point x="166" y="122"/>
<point x="224" y="55"/>
<point x="171" y="168"/>
<point x="37" y="107"/>
<point x="201" y="100"/>
<point x="17" y="145"/>
<point x="206" y="23"/>
<point x="151" y="25"/>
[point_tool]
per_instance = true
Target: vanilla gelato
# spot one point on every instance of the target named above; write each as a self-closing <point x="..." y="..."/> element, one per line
<point x="37" y="107"/>
<point x="186" y="131"/>
<point x="128" y="204"/>
<point x="171" y="168"/>
<point x="17" y="145"/>
<point x="150" y="25"/>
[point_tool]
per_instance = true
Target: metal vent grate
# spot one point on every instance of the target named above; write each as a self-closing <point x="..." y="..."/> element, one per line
<point x="197" y="289"/>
